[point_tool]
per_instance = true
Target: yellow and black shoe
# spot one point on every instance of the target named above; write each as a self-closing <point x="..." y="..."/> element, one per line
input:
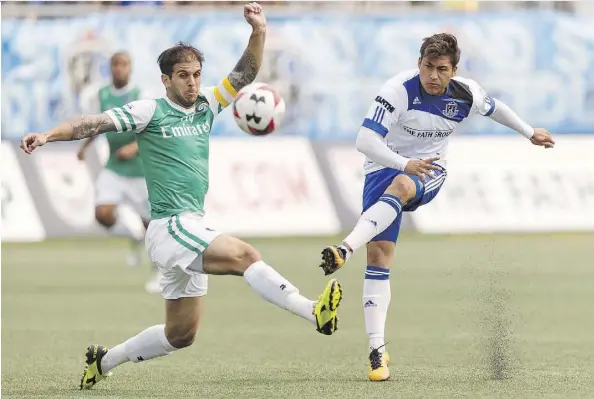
<point x="327" y="307"/>
<point x="92" y="373"/>
<point x="333" y="258"/>
<point x="379" y="363"/>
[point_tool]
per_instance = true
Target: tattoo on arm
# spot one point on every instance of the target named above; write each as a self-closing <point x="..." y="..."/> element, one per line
<point x="249" y="64"/>
<point x="245" y="71"/>
<point x="91" y="125"/>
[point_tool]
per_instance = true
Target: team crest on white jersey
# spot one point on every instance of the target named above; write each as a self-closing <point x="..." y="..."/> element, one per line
<point x="451" y="110"/>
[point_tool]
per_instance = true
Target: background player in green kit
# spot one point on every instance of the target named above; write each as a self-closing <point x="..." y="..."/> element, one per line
<point x="173" y="137"/>
<point x="121" y="197"/>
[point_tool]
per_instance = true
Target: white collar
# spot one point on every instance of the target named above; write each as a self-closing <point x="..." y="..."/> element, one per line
<point x="179" y="107"/>
<point x="121" y="90"/>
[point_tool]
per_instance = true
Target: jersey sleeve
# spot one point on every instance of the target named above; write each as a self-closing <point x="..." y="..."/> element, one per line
<point x="386" y="108"/>
<point x="482" y="103"/>
<point x="219" y="96"/>
<point x="134" y="116"/>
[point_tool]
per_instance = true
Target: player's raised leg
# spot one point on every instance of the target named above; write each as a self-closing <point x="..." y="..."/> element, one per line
<point x="186" y="252"/>
<point x="229" y="255"/>
<point x="395" y="190"/>
<point x="183" y="314"/>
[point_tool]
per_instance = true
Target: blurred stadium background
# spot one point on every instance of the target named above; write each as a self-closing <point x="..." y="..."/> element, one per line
<point x="493" y="283"/>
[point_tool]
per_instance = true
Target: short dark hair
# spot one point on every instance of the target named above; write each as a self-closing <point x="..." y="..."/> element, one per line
<point x="118" y="54"/>
<point x="441" y="44"/>
<point x="181" y="52"/>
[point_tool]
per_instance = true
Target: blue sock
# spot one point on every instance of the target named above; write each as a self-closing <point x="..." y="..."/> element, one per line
<point x="393" y="201"/>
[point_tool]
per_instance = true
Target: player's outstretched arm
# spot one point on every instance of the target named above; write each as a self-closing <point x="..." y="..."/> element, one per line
<point x="505" y="116"/>
<point x="497" y="110"/>
<point x="249" y="64"/>
<point x="79" y="128"/>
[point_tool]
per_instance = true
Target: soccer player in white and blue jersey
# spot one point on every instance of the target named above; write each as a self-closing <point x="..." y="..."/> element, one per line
<point x="404" y="137"/>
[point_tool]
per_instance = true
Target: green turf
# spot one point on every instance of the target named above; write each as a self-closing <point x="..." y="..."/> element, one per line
<point x="464" y="310"/>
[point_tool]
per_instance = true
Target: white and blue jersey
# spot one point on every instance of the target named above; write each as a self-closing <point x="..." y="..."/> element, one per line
<point x="417" y="125"/>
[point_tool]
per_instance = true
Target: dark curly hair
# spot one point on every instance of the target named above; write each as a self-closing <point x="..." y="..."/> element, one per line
<point x="441" y="44"/>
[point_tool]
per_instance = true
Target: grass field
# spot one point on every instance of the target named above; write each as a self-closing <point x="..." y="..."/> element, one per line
<point x="483" y="316"/>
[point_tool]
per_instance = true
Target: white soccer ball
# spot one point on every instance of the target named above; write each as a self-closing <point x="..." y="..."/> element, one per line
<point x="258" y="109"/>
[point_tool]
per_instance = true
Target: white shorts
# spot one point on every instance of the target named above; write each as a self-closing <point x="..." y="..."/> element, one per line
<point x="111" y="189"/>
<point x="175" y="245"/>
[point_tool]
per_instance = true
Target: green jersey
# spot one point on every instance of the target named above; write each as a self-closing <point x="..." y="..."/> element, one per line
<point x="110" y="97"/>
<point x="173" y="144"/>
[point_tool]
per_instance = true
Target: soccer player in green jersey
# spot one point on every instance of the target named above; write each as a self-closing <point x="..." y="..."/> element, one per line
<point x="121" y="197"/>
<point x="173" y="136"/>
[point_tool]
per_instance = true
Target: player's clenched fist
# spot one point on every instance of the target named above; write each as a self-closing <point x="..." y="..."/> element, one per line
<point x="33" y="140"/>
<point x="421" y="167"/>
<point x="254" y="15"/>
<point x="542" y="138"/>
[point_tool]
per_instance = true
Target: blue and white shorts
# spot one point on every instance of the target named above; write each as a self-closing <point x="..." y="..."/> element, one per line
<point x="377" y="182"/>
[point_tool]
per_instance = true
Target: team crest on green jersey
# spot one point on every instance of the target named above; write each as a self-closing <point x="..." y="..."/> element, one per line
<point x="203" y="106"/>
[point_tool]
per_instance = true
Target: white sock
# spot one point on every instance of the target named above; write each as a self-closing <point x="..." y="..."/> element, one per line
<point x="376" y="299"/>
<point x="148" y="344"/>
<point x="128" y="223"/>
<point x="373" y="221"/>
<point x="279" y="291"/>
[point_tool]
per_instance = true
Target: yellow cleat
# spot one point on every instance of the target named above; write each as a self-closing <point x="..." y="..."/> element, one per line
<point x="327" y="307"/>
<point x="92" y="373"/>
<point x="333" y="258"/>
<point x="378" y="366"/>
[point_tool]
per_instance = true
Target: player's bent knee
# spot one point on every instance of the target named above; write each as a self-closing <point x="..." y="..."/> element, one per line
<point x="181" y="334"/>
<point x="229" y="255"/>
<point x="180" y="338"/>
<point x="380" y="253"/>
<point x="244" y="256"/>
<point x="402" y="187"/>
<point x="182" y="318"/>
<point x="105" y="215"/>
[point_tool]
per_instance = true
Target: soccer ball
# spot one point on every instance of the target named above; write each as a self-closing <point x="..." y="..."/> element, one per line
<point x="258" y="109"/>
